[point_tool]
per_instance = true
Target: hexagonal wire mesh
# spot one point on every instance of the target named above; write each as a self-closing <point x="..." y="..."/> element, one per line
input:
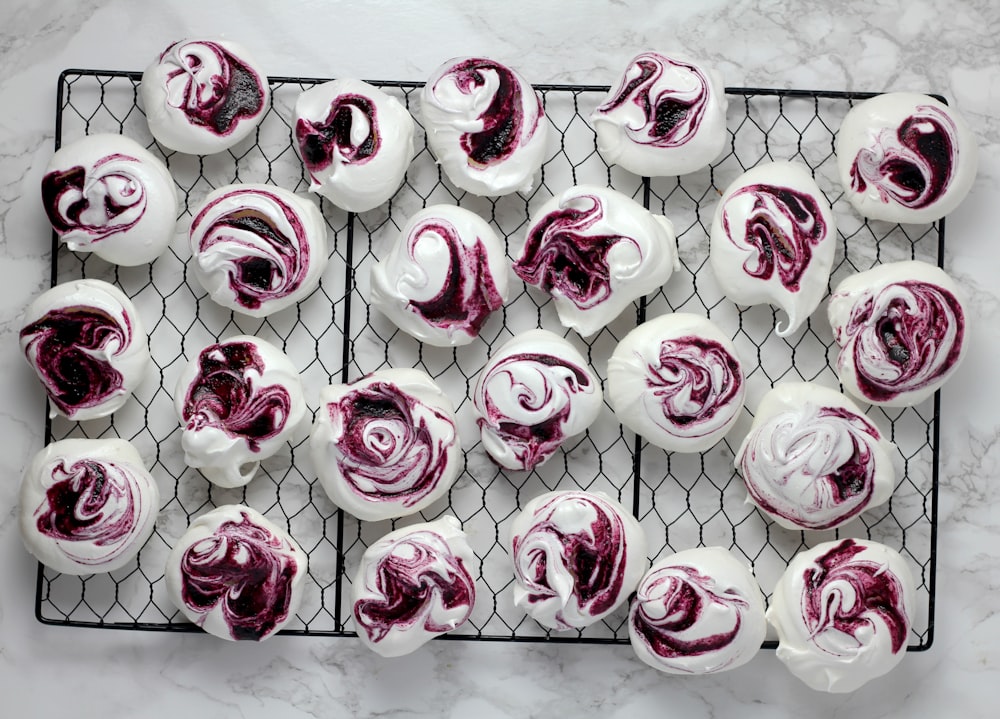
<point x="682" y="500"/>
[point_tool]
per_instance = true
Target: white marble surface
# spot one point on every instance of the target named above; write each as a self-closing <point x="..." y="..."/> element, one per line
<point x="948" y="47"/>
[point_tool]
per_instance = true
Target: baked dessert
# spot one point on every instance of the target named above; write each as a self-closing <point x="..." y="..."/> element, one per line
<point x="902" y="328"/>
<point x="577" y="557"/>
<point x="386" y="445"/>
<point x="677" y="381"/>
<point x="355" y="141"/>
<point x="85" y="341"/>
<point x="238" y="402"/>
<point x="444" y="275"/>
<point x="257" y="249"/>
<point x="485" y="125"/>
<point x="87" y="505"/>
<point x="412" y="585"/>
<point x="666" y="116"/>
<point x="236" y="574"/>
<point x="596" y="251"/>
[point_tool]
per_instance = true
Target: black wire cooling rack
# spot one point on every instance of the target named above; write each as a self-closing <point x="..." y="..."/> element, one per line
<point x="682" y="501"/>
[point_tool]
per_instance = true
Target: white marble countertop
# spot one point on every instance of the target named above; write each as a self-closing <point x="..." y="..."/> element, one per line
<point x="952" y="48"/>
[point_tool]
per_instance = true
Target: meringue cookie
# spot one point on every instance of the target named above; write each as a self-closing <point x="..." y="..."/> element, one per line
<point x="577" y="557"/>
<point x="812" y="460"/>
<point x="773" y="239"/>
<point x="238" y="402"/>
<point x="905" y="157"/>
<point x="204" y="96"/>
<point x="87" y="505"/>
<point x="258" y="249"/>
<point x="596" y="251"/>
<point x="902" y="328"/>
<point x="699" y="611"/>
<point x="109" y="195"/>
<point x="355" y="142"/>
<point x="534" y="393"/>
<point x="842" y="612"/>
<point x="414" y="584"/>
<point x="442" y="278"/>
<point x="485" y="126"/>
<point x="387" y="445"/>
<point x="676" y="381"/>
<point x="236" y="574"/>
<point x="86" y="343"/>
<point x="666" y="117"/>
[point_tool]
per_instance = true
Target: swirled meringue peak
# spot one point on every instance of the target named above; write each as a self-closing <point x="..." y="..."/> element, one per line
<point x="355" y="142"/>
<point x="86" y="343"/>
<point x="699" y="611"/>
<point x="677" y="381"/>
<point x="258" y="249"/>
<point x="236" y="574"/>
<point x="444" y="275"/>
<point x="238" y="402"/>
<point x="577" y="557"/>
<point x="387" y="445"/>
<point x="87" y="505"/>
<point x="535" y="392"/>
<point x="842" y="611"/>
<point x="773" y="240"/>
<point x="596" y="251"/>
<point x="204" y="96"/>
<point x="812" y="459"/>
<point x="902" y="328"/>
<point x="905" y="157"/>
<point x="666" y="117"/>
<point x="414" y="584"/>
<point x="485" y="126"/>
<point x="109" y="195"/>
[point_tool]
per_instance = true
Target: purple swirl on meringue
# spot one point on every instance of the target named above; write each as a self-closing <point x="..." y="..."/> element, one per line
<point x="913" y="165"/>
<point x="226" y="395"/>
<point x="320" y="141"/>
<point x="774" y="248"/>
<point x="213" y="87"/>
<point x="246" y="569"/>
<point x="672" y="116"/>
<point x="66" y="348"/>
<point x="419" y="577"/>
<point x="560" y="255"/>
<point x="907" y="336"/>
<point x="844" y="596"/>
<point x="389" y="450"/>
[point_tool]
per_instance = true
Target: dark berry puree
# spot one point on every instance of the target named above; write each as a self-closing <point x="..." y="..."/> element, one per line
<point x="94" y="502"/>
<point x="520" y="374"/>
<point x="594" y="557"/>
<point x="225" y="395"/>
<point x="559" y="254"/>
<point x="469" y="293"/>
<point x="319" y="142"/>
<point x="913" y="164"/>
<point x="389" y="449"/>
<point x="906" y="337"/>
<point x="673" y="115"/>
<point x="672" y="606"/>
<point x="215" y="97"/>
<point x="67" y="349"/>
<point x="266" y="264"/>
<point x="696" y="380"/>
<point x="108" y="199"/>
<point x="419" y="577"/>
<point x="503" y="121"/>
<point x="845" y="596"/>
<point x="787" y="251"/>
<point x="244" y="569"/>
